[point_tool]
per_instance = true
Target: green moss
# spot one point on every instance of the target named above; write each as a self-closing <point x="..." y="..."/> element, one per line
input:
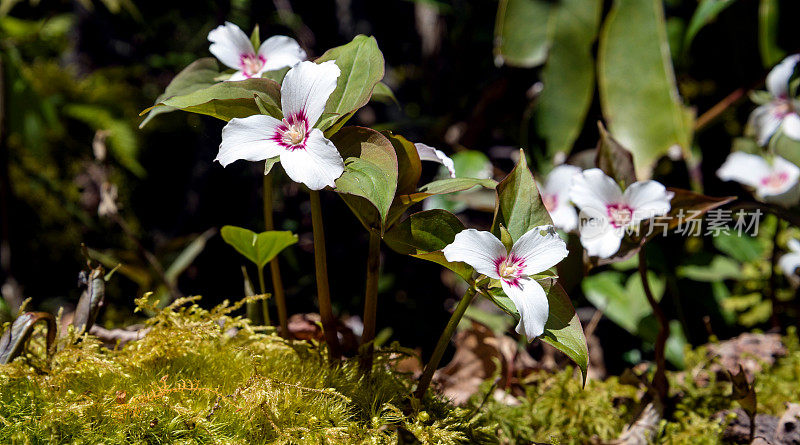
<point x="194" y="379"/>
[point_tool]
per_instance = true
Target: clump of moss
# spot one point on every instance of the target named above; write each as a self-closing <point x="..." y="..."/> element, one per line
<point x="208" y="376"/>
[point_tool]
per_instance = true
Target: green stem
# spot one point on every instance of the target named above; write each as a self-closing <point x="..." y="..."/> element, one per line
<point x="323" y="290"/>
<point x="274" y="266"/>
<point x="264" y="306"/>
<point x="660" y="383"/>
<point x="444" y="340"/>
<point x="371" y="300"/>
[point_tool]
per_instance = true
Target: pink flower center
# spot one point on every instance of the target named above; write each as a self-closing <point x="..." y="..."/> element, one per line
<point x="550" y="201"/>
<point x="775" y="180"/>
<point x="293" y="132"/>
<point x="782" y="108"/>
<point x="510" y="269"/>
<point x="251" y="64"/>
<point x="620" y="215"/>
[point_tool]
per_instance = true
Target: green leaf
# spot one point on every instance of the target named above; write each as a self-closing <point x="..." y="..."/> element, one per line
<point x="521" y="32"/>
<point x="227" y="100"/>
<point x="568" y="76"/>
<point x="720" y="268"/>
<point x="625" y="305"/>
<point x="198" y="75"/>
<point x="638" y="94"/>
<point x="260" y="248"/>
<point x="468" y="164"/>
<point x="614" y="159"/>
<point x="771" y="53"/>
<point x="382" y="93"/>
<point x="187" y="256"/>
<point x="563" y="329"/>
<point x="519" y="206"/>
<point x="369" y="181"/>
<point x="706" y="12"/>
<point x="440" y="187"/>
<point x="743" y="248"/>
<point x="361" y="63"/>
<point x="409" y="166"/>
<point x="276" y="75"/>
<point x="424" y="234"/>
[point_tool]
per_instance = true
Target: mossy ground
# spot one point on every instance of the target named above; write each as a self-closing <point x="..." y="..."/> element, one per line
<point x="192" y="380"/>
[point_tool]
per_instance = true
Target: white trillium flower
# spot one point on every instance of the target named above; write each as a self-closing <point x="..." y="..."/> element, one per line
<point x="232" y="47"/>
<point x="533" y="253"/>
<point x="610" y="211"/>
<point x="428" y="153"/>
<point x="781" y="111"/>
<point x="555" y="196"/>
<point x="775" y="182"/>
<point x="790" y="261"/>
<point x="306" y="155"/>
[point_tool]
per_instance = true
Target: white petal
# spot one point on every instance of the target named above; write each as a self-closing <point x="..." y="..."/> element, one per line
<point x="531" y="302"/>
<point x="229" y="44"/>
<point x="565" y="217"/>
<point x="317" y="165"/>
<point x="307" y="87"/>
<point x="648" y="199"/>
<point x="479" y="249"/>
<point x="428" y="153"/>
<point x="592" y="190"/>
<point x="791" y="126"/>
<point x="249" y="138"/>
<point x="279" y="52"/>
<point x="778" y="78"/>
<point x="793" y="245"/>
<point x="239" y="75"/>
<point x="789" y="263"/>
<point x="764" y="122"/>
<point x="601" y="241"/>
<point x="744" y="168"/>
<point x="539" y="252"/>
<point x="559" y="181"/>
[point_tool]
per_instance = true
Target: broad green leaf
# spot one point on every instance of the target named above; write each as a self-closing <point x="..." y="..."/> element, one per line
<point x="468" y="164"/>
<point x="743" y="248"/>
<point x="200" y="74"/>
<point x="625" y="305"/>
<point x="614" y="159"/>
<point x="361" y="63"/>
<point x="187" y="256"/>
<point x="369" y="181"/>
<point x="227" y="100"/>
<point x="706" y="12"/>
<point x="568" y="75"/>
<point x="408" y="164"/>
<point x="424" y="234"/>
<point x="521" y="32"/>
<point x="786" y="148"/>
<point x="260" y="248"/>
<point x="276" y="75"/>
<point x="563" y="329"/>
<point x="771" y="53"/>
<point x="720" y="268"/>
<point x="441" y="187"/>
<point x="638" y="94"/>
<point x="519" y="205"/>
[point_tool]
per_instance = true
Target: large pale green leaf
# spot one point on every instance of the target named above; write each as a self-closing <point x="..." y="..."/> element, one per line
<point x="563" y="328"/>
<point x="369" y="181"/>
<point x="424" y="234"/>
<point x="227" y="100"/>
<point x="199" y="74"/>
<point x="260" y="248"/>
<point x="638" y="93"/>
<point x="519" y="205"/>
<point x="626" y="305"/>
<point x="521" y="36"/>
<point x="361" y="63"/>
<point x="771" y="53"/>
<point x="568" y="75"/>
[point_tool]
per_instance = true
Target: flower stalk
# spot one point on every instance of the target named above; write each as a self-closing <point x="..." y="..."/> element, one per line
<point x="371" y="300"/>
<point x="444" y="340"/>
<point x="660" y="383"/>
<point x="323" y="290"/>
<point x="274" y="266"/>
<point x="264" y="306"/>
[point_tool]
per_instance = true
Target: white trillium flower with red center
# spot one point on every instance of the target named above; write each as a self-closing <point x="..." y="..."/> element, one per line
<point x="534" y="252"/>
<point x="775" y="182"/>
<point x="790" y="261"/>
<point x="306" y="155"/>
<point x="555" y="196"/>
<point x="781" y="111"/>
<point x="232" y="47"/>
<point x="428" y="153"/>
<point x="611" y="211"/>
